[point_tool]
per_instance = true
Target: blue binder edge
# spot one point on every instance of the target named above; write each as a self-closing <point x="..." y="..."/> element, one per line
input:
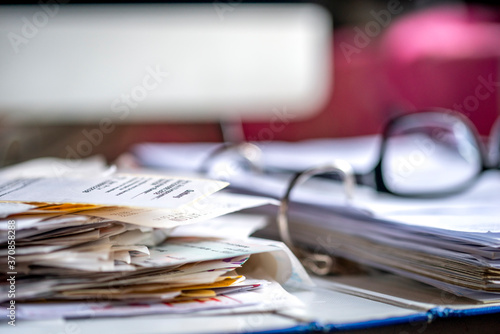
<point x="428" y="316"/>
<point x="448" y="312"/>
<point x="319" y="327"/>
<point x="303" y="328"/>
<point x="413" y="318"/>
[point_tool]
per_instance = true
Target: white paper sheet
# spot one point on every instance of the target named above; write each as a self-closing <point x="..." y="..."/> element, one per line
<point x="206" y="208"/>
<point x="361" y="152"/>
<point x="236" y="225"/>
<point x="56" y="167"/>
<point x="7" y="209"/>
<point x="178" y="251"/>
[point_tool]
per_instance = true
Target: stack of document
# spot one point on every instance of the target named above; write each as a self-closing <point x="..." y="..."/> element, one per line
<point x="112" y="244"/>
<point x="454" y="249"/>
<point x="452" y="243"/>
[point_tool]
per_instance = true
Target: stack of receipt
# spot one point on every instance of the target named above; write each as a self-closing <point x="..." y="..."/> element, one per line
<point x="109" y="244"/>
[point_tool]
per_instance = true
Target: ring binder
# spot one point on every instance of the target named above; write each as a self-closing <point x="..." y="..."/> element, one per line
<point x="320" y="264"/>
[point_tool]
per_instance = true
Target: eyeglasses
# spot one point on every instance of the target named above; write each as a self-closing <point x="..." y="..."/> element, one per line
<point x="432" y="153"/>
<point x="427" y="153"/>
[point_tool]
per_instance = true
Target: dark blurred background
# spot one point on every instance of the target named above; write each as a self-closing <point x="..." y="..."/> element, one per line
<point x="429" y="54"/>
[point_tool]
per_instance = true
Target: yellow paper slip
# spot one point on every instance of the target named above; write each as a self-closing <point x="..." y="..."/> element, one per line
<point x="155" y="288"/>
<point x="159" y="291"/>
<point x="61" y="208"/>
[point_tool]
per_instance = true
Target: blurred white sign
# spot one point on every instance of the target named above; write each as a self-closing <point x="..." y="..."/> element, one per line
<point x="73" y="63"/>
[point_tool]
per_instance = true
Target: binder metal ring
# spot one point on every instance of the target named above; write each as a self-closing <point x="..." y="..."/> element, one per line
<point x="320" y="264"/>
<point x="250" y="152"/>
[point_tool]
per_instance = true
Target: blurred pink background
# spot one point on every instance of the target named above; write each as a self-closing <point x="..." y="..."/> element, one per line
<point x="441" y="57"/>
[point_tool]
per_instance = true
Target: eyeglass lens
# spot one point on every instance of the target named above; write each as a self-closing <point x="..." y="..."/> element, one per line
<point x="429" y="152"/>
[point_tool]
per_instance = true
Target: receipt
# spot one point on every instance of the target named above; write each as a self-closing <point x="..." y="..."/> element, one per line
<point x="133" y="190"/>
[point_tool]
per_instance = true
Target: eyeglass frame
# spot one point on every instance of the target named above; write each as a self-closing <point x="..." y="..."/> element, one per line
<point x="485" y="151"/>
